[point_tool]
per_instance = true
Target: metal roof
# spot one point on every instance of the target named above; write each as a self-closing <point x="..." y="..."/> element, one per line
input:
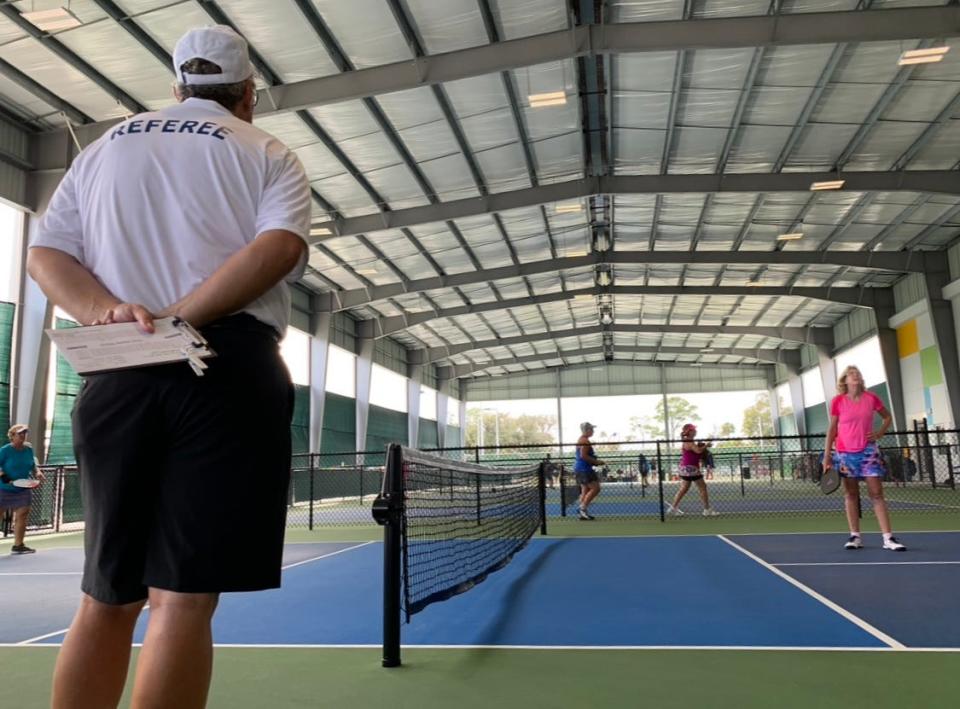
<point x="479" y="166"/>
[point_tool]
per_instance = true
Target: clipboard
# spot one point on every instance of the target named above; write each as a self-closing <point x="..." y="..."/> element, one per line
<point x="97" y="349"/>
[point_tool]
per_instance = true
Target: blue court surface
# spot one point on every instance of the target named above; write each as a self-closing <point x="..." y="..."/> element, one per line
<point x="757" y="591"/>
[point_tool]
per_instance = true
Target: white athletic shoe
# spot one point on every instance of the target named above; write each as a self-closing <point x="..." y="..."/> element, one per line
<point x="710" y="512"/>
<point x="675" y="511"/>
<point x="893" y="545"/>
<point x="854" y="542"/>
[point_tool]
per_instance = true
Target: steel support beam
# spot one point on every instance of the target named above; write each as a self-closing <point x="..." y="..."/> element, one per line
<point x="938" y="181"/>
<point x="37" y="89"/>
<point x="388" y="325"/>
<point x="945" y="337"/>
<point x="890" y="354"/>
<point x="599" y="39"/>
<point x="890" y="260"/>
<point x="821" y="336"/>
<point x="788" y="357"/>
<point x="71" y="58"/>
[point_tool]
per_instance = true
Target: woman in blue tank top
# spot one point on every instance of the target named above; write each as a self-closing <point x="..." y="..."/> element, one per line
<point x="584" y="459"/>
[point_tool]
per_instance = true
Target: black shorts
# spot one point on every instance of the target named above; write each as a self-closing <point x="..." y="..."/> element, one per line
<point x="690" y="473"/>
<point x="587" y="477"/>
<point x="184" y="478"/>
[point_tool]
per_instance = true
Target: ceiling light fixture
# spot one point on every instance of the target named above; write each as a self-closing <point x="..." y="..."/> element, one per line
<point x="601" y="241"/>
<point x="827" y="185"/>
<point x="367" y="272"/>
<point x="604" y="275"/>
<point x="52" y="20"/>
<point x="606" y="315"/>
<point x="320" y="231"/>
<point x="790" y="237"/>
<point x="923" y="56"/>
<point x="554" y="98"/>
<point x="568" y="208"/>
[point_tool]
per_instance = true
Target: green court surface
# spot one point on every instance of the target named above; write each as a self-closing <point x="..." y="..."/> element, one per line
<point x="570" y="526"/>
<point x="247" y="678"/>
<point x="435" y="678"/>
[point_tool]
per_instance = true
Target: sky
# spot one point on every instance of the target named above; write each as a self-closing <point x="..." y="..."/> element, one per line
<point x="611" y="414"/>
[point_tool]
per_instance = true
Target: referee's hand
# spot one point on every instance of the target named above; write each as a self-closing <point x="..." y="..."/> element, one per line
<point x="128" y="312"/>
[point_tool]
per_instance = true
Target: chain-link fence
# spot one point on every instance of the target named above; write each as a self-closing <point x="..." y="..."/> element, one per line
<point x="759" y="476"/>
<point x="55" y="505"/>
<point x="334" y="489"/>
<point x="774" y="476"/>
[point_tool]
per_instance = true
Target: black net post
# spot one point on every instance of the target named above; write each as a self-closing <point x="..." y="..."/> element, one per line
<point x="57" y="498"/>
<point x="388" y="512"/>
<point x="663" y="517"/>
<point x="563" y="490"/>
<point x="479" y="511"/>
<point x="743" y="490"/>
<point x="953" y="485"/>
<point x="542" y="484"/>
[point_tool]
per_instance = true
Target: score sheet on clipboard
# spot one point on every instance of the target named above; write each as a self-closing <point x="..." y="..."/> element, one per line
<point x="107" y="348"/>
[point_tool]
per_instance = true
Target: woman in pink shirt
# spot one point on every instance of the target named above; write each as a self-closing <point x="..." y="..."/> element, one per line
<point x="858" y="456"/>
<point x="690" y="460"/>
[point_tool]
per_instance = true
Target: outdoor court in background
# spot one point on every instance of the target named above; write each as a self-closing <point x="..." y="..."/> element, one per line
<point x="593" y="615"/>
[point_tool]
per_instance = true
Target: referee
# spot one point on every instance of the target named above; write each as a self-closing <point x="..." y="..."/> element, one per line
<point x="188" y="211"/>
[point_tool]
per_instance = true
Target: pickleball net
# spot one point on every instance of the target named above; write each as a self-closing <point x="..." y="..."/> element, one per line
<point x="448" y="525"/>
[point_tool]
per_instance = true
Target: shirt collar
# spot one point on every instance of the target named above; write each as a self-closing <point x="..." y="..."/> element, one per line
<point x="205" y="104"/>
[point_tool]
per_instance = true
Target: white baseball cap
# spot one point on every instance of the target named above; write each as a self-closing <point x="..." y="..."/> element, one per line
<point x="218" y="44"/>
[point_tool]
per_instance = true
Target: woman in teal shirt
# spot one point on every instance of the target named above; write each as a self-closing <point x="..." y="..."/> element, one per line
<point x="17" y="463"/>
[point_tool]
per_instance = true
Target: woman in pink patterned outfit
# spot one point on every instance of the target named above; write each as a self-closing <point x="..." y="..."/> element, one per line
<point x="858" y="456"/>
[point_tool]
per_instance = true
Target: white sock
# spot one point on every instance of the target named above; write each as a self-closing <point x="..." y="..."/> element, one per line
<point x="887" y="536"/>
<point x="855" y="534"/>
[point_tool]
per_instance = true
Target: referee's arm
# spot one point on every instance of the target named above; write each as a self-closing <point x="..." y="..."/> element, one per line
<point x="244" y="277"/>
<point x="67" y="283"/>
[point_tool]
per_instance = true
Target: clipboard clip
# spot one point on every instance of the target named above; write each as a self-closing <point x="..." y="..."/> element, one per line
<point x="196" y="347"/>
<point x="193" y="354"/>
<point x="185" y="328"/>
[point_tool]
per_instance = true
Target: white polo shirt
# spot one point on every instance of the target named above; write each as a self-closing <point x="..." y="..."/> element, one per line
<point x="160" y="202"/>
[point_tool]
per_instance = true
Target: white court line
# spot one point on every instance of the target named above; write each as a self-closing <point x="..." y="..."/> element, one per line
<point x="844" y="533"/>
<point x="774" y="648"/>
<point x="25" y="643"/>
<point x="859" y="622"/>
<point x="42" y="573"/>
<point x="871" y="563"/>
<point x="325" y="556"/>
<point x="28" y="641"/>
<point x="791" y="534"/>
<point x="591" y="648"/>
<point x="54" y="535"/>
